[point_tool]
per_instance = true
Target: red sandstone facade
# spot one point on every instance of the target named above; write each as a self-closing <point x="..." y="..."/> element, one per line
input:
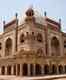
<point x="35" y="47"/>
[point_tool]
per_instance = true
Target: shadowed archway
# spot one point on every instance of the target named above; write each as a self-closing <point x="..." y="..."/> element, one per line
<point x="8" y="70"/>
<point x="38" y="69"/>
<point x="3" y="70"/>
<point x="8" y="47"/>
<point x="60" y="67"/>
<point x="46" y="69"/>
<point x="54" y="69"/>
<point x="25" y="69"/>
<point x="55" y="47"/>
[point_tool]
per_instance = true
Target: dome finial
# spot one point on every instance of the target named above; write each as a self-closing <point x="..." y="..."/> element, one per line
<point x="16" y="15"/>
<point x="60" y="20"/>
<point x="3" y="22"/>
<point x="31" y="6"/>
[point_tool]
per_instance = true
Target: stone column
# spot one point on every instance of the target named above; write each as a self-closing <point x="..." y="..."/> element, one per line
<point x="50" y="69"/>
<point x="34" y="69"/>
<point x="29" y="70"/>
<point x="42" y="69"/>
<point x="57" y="70"/>
<point x="21" y="69"/>
<point x="16" y="69"/>
<point x="5" y="70"/>
<point x="63" y="69"/>
<point x="49" y="47"/>
<point x="12" y="70"/>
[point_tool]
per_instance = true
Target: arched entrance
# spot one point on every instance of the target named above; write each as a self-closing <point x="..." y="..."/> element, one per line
<point x="46" y="69"/>
<point x="38" y="69"/>
<point x="60" y="67"/>
<point x="54" y="69"/>
<point x="31" y="69"/>
<point x="3" y="70"/>
<point x="8" y="47"/>
<point x="25" y="69"/>
<point x="8" y="70"/>
<point x="55" y="47"/>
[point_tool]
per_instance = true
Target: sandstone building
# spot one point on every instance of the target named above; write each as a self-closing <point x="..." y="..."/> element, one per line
<point x="34" y="48"/>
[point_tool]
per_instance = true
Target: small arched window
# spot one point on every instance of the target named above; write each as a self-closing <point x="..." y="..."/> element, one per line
<point x="22" y="38"/>
<point x="0" y="46"/>
<point x="32" y="33"/>
<point x="33" y="36"/>
<point x="39" y="37"/>
<point x="27" y="35"/>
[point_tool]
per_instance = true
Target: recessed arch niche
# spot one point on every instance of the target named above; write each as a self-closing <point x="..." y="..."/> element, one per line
<point x="8" y="47"/>
<point x="55" y="46"/>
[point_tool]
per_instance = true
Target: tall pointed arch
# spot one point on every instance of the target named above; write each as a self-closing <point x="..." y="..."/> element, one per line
<point x="8" y="47"/>
<point x="55" y="47"/>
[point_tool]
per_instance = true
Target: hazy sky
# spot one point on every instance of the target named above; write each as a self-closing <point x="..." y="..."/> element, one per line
<point x="55" y="9"/>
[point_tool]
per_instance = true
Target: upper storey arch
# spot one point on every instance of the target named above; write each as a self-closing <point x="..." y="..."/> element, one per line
<point x="8" y="47"/>
<point x="55" y="46"/>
